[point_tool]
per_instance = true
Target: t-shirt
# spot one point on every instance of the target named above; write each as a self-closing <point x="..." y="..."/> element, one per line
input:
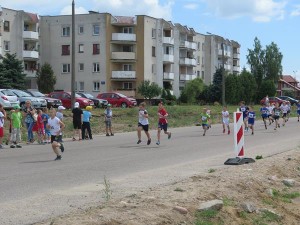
<point x="270" y="109"/>
<point x="40" y="122"/>
<point x="143" y="120"/>
<point x="29" y="117"/>
<point x="244" y="110"/>
<point x="60" y="116"/>
<point x="54" y="125"/>
<point x="264" y="111"/>
<point x="298" y="106"/>
<point x="225" y="114"/>
<point x="77" y="112"/>
<point x="45" y="118"/>
<point x="16" y="118"/>
<point x="108" y="114"/>
<point x="251" y="115"/>
<point x="284" y="108"/>
<point x="204" y="118"/>
<point x="162" y="112"/>
<point x="1" y="119"/>
<point x="277" y="111"/>
<point x="86" y="116"/>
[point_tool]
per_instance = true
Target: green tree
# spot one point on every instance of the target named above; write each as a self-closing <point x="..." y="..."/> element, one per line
<point x="273" y="59"/>
<point x="267" y="88"/>
<point x="46" y="79"/>
<point x="248" y="87"/>
<point x="149" y="90"/>
<point x="192" y="91"/>
<point x="215" y="91"/>
<point x="233" y="89"/>
<point x="11" y="72"/>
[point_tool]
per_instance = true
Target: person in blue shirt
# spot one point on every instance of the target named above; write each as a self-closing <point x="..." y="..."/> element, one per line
<point x="251" y="119"/>
<point x="86" y="123"/>
<point x="244" y="109"/>
<point x="264" y="114"/>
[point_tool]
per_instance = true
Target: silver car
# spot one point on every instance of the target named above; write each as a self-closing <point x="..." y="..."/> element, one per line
<point x="8" y="99"/>
<point x="35" y="102"/>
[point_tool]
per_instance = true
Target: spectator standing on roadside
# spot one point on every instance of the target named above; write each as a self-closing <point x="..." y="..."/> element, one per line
<point x="28" y="112"/>
<point x="2" y="116"/>
<point x="107" y="120"/>
<point x="77" y="121"/>
<point x="87" y="115"/>
<point x="16" y="120"/>
<point x="45" y="117"/>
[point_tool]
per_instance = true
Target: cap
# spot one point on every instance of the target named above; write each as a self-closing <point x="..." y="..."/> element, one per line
<point x="76" y="105"/>
<point x="61" y="107"/>
<point x="108" y="105"/>
<point x="89" y="108"/>
<point x="17" y="107"/>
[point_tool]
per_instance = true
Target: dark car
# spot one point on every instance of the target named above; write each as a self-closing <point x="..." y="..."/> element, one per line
<point x="51" y="102"/>
<point x="97" y="102"/>
<point x="65" y="97"/>
<point x="272" y="100"/>
<point x="290" y="99"/>
<point x="118" y="99"/>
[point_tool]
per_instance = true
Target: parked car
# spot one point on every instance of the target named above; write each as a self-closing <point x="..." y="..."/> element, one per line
<point x="290" y="99"/>
<point x="23" y="97"/>
<point x="8" y="99"/>
<point x="117" y="99"/>
<point x="51" y="102"/>
<point x="272" y="100"/>
<point x="97" y="102"/>
<point x="65" y="98"/>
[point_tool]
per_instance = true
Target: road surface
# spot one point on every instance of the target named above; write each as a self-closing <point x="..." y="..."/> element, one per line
<point x="34" y="187"/>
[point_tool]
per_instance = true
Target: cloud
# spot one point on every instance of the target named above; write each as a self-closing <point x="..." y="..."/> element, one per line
<point x="191" y="6"/>
<point x="257" y="10"/>
<point x="296" y="11"/>
<point x="68" y="10"/>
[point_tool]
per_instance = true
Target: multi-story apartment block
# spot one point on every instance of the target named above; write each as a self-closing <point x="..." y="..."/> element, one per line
<point x="220" y="52"/>
<point x="19" y="35"/>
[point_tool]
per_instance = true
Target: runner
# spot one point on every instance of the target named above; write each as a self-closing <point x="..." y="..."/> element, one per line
<point x="205" y="118"/>
<point x="276" y="115"/>
<point x="162" y="122"/>
<point x="143" y="123"/>
<point x="298" y="110"/>
<point x="251" y="119"/>
<point x="284" y="108"/>
<point x="270" y="112"/>
<point x="225" y="120"/>
<point x="55" y="126"/>
<point x="264" y="114"/>
<point x="244" y="109"/>
<point x="289" y="110"/>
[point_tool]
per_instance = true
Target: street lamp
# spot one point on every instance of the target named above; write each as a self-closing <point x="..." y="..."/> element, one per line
<point x="73" y="56"/>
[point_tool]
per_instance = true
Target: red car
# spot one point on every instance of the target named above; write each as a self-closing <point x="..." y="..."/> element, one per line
<point x="65" y="98"/>
<point x="272" y="100"/>
<point x="117" y="99"/>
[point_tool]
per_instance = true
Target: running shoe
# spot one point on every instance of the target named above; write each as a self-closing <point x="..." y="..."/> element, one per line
<point x="62" y="147"/>
<point x="252" y="133"/>
<point x="111" y="134"/>
<point x="58" y="157"/>
<point x="266" y="126"/>
<point x="158" y="142"/>
<point x="229" y="132"/>
<point x="12" y="146"/>
<point x="149" y="141"/>
<point x="73" y="139"/>
<point x="139" y="141"/>
<point x="204" y="134"/>
<point x="169" y="135"/>
<point x="18" y="146"/>
<point x="107" y="134"/>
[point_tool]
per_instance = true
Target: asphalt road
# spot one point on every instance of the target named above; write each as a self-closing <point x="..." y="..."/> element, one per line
<point x="34" y="187"/>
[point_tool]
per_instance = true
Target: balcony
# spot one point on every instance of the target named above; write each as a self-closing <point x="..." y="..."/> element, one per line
<point x="188" y="44"/>
<point x="30" y="73"/>
<point x="123" y="75"/>
<point x="168" y="40"/>
<point x="31" y="35"/>
<point x="123" y="37"/>
<point x="227" y="67"/>
<point x="226" y="53"/>
<point x="236" y="55"/>
<point x="169" y="58"/>
<point x="187" y="77"/>
<point x="31" y="55"/>
<point x="123" y="55"/>
<point x="188" y="62"/>
<point x="236" y="68"/>
<point x="168" y="76"/>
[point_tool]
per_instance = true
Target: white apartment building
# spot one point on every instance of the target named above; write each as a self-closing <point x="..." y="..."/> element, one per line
<point x="19" y="35"/>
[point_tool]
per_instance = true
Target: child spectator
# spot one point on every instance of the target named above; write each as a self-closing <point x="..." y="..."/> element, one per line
<point x="77" y="121"/>
<point x="108" y="117"/>
<point x="40" y="127"/>
<point x="16" y="120"/>
<point x="1" y="128"/>
<point x="45" y="117"/>
<point x="87" y="115"/>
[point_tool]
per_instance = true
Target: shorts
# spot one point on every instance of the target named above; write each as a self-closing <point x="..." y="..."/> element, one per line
<point x="298" y="112"/>
<point x="265" y="117"/>
<point x="284" y="115"/>
<point x="163" y="126"/>
<point x="145" y="127"/>
<point x="204" y="125"/>
<point x="226" y="121"/>
<point x="47" y="132"/>
<point x="1" y="132"/>
<point x="56" y="138"/>
<point x="276" y="117"/>
<point x="77" y="124"/>
<point x="108" y="123"/>
<point x="251" y="121"/>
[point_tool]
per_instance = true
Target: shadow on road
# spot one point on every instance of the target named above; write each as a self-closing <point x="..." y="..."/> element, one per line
<point x="41" y="161"/>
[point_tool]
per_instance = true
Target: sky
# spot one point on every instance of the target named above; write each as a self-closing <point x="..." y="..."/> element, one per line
<point x="270" y="21"/>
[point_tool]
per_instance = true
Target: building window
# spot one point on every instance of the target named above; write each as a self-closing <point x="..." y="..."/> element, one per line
<point x="96" y="86"/>
<point x="80" y="48"/>
<point x="6" y="26"/>
<point x="153" y="33"/>
<point x="96" y="29"/>
<point x="127" y="67"/>
<point x="65" y="50"/>
<point x="81" y="86"/>
<point x="66" y="68"/>
<point x="128" y="30"/>
<point x="96" y="49"/>
<point x="66" y="31"/>
<point x="81" y="67"/>
<point x="127" y="85"/>
<point x="80" y="29"/>
<point x="96" y="67"/>
<point x="153" y="51"/>
<point x="6" y="46"/>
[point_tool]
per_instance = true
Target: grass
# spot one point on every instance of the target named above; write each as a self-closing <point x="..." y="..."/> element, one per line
<point x="207" y="217"/>
<point x="179" y="189"/>
<point x="228" y="202"/>
<point x="211" y="170"/>
<point x="107" y="189"/>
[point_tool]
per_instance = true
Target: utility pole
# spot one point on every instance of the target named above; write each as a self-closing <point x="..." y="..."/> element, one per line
<point x="73" y="57"/>
<point x="223" y="74"/>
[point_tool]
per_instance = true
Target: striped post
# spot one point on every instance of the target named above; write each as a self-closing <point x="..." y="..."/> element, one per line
<point x="239" y="134"/>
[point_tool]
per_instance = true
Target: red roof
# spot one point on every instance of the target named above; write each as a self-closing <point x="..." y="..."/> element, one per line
<point x="289" y="79"/>
<point x="290" y="85"/>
